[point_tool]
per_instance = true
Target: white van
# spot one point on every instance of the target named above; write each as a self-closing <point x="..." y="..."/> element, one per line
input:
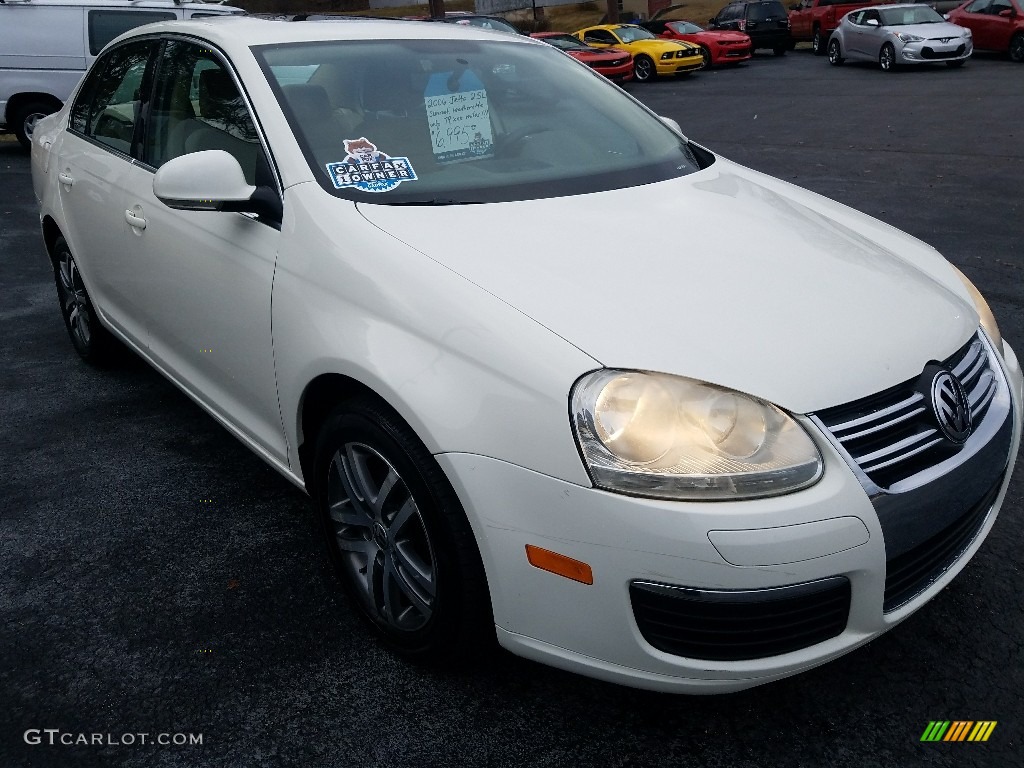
<point x="46" y="45"/>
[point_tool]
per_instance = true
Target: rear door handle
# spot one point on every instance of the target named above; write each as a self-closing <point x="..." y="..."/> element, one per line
<point x="66" y="178"/>
<point x="134" y="219"/>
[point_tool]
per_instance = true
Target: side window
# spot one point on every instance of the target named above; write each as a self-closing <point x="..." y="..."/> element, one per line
<point x="998" y="6"/>
<point x="872" y="16"/>
<point x="599" y="36"/>
<point x="196" y="107"/>
<point x="978" y="6"/>
<point x="108" y="105"/>
<point x="857" y="17"/>
<point x="104" y="26"/>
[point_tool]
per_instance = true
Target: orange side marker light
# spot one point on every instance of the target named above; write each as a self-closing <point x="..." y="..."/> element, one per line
<point x="547" y="560"/>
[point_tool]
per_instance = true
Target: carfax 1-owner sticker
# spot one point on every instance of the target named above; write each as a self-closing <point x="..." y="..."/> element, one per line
<point x="368" y="169"/>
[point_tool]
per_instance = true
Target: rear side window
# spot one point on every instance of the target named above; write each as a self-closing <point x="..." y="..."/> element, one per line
<point x="104" y="26"/>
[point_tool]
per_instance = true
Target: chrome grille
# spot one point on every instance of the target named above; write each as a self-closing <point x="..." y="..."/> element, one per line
<point x="892" y="435"/>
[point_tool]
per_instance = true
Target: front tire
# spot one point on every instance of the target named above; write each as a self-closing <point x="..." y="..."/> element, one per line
<point x="705" y="54"/>
<point x="887" y="58"/>
<point x="1017" y="48"/>
<point x="835" y="53"/>
<point x="644" y="69"/>
<point x="781" y="51"/>
<point x="398" y="539"/>
<point x="91" y="340"/>
<point x="956" y="64"/>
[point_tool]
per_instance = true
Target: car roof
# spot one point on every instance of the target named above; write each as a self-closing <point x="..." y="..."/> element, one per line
<point x="234" y="32"/>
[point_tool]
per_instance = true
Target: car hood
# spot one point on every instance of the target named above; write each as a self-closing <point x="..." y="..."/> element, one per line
<point x="726" y="275"/>
<point x="654" y="47"/>
<point x="929" y="31"/>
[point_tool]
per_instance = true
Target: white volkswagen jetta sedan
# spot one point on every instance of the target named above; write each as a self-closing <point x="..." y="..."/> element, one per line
<point x="689" y="469"/>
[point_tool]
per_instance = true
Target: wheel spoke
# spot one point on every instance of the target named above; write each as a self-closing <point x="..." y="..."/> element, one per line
<point x="65" y="277"/>
<point x="361" y="514"/>
<point x="402" y="517"/>
<point x="358" y="474"/>
<point x="346" y="513"/>
<point x="373" y="583"/>
<point x="394" y="579"/>
<point x="362" y="546"/>
<point x="413" y="568"/>
<point x="384" y="491"/>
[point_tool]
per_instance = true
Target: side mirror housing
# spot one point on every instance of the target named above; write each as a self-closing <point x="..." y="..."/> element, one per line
<point x="202" y="181"/>
<point x="871" y="23"/>
<point x="674" y="126"/>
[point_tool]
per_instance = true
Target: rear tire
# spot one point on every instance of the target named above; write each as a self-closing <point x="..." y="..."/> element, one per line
<point x="1017" y="48"/>
<point x="91" y="340"/>
<point x="819" y="42"/>
<point x="887" y="58"/>
<point x="24" y="119"/>
<point x="835" y="53"/>
<point x="780" y="51"/>
<point x="398" y="539"/>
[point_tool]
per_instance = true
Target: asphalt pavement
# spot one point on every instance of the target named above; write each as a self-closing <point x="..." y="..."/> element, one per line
<point x="156" y="578"/>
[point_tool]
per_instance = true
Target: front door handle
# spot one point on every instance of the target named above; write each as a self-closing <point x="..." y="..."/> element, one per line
<point x="134" y="219"/>
<point x="66" y="178"/>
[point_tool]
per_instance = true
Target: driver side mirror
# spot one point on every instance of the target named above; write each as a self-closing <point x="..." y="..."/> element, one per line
<point x="1007" y="14"/>
<point x="212" y="180"/>
<point x="871" y="22"/>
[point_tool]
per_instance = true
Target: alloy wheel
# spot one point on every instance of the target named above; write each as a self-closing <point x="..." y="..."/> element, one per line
<point x="887" y="58"/>
<point x="381" y="537"/>
<point x="643" y="68"/>
<point x="74" y="300"/>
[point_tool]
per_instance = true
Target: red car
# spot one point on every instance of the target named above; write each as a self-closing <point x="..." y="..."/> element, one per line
<point x="722" y="47"/>
<point x="613" y="63"/>
<point x="996" y="25"/>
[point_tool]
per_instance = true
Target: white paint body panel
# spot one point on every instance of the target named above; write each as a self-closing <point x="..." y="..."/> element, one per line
<point x="476" y="340"/>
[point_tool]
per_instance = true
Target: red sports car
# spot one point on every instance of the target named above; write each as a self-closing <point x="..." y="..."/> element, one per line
<point x="719" y="47"/>
<point x="613" y="63"/>
<point x="997" y="25"/>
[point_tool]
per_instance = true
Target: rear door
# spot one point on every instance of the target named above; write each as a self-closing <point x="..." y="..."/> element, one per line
<point x="93" y="161"/>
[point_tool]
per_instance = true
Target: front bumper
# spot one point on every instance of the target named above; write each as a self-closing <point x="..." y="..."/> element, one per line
<point x="826" y="531"/>
<point x="619" y="74"/>
<point x="932" y="51"/>
<point x="675" y="66"/>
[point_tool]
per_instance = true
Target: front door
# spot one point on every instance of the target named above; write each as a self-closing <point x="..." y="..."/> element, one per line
<point x="209" y="274"/>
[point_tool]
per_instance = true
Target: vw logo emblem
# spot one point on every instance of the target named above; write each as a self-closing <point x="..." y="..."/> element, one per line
<point x="951" y="407"/>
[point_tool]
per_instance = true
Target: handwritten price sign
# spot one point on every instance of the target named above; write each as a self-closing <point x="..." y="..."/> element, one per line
<point x="460" y="119"/>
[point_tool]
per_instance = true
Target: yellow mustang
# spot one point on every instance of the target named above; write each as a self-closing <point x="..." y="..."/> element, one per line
<point x="652" y="56"/>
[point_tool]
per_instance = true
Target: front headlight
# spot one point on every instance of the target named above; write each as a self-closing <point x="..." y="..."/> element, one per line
<point x="988" y="320"/>
<point x="905" y="38"/>
<point x="650" y="434"/>
<point x="668" y="55"/>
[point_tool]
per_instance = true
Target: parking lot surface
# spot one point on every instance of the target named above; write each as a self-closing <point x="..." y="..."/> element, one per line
<point x="157" y="578"/>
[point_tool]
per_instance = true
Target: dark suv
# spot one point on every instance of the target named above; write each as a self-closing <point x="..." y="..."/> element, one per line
<point x="765" y="21"/>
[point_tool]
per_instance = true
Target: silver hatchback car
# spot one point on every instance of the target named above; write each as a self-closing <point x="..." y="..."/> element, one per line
<point x="899" y="34"/>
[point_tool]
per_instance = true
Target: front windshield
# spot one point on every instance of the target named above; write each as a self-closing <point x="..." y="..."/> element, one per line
<point x="632" y="34"/>
<point x="684" y="27"/>
<point x="919" y="14"/>
<point x="460" y="121"/>
<point x="566" y="43"/>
